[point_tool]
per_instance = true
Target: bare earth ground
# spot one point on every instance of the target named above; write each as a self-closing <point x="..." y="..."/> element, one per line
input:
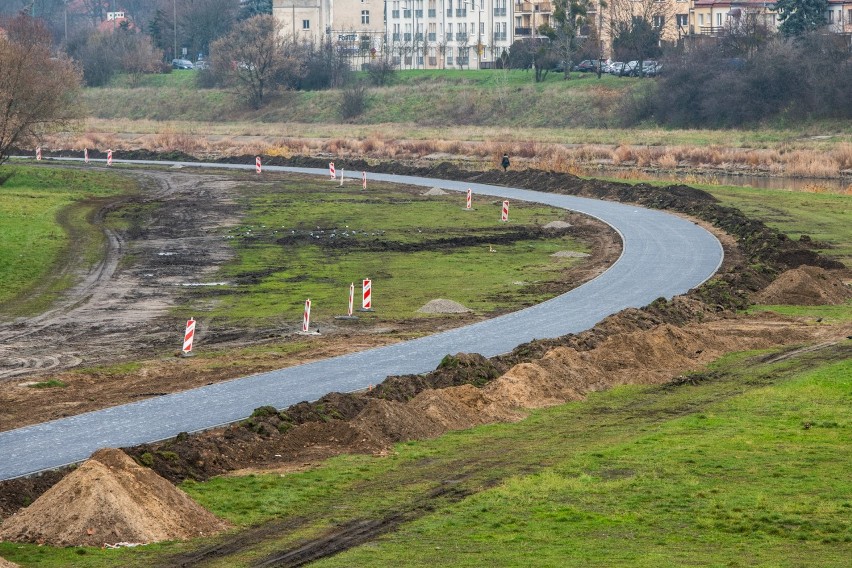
<point x="120" y="311"/>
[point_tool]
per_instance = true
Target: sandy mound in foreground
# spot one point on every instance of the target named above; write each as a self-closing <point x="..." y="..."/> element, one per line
<point x="806" y="286"/>
<point x="6" y="564"/>
<point x="110" y="499"/>
<point x="440" y="306"/>
<point x="435" y="191"/>
<point x="569" y="254"/>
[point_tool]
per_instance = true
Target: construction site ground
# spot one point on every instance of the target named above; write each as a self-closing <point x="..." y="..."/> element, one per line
<point x="117" y="318"/>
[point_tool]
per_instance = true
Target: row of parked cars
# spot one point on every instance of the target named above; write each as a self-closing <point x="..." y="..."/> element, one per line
<point x="187" y="64"/>
<point x="649" y="68"/>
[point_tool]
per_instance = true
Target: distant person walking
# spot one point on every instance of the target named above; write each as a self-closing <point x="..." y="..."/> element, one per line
<point x="505" y="162"/>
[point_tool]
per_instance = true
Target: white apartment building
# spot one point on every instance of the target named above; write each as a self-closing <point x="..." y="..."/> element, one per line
<point x="445" y="34"/>
<point x="416" y="34"/>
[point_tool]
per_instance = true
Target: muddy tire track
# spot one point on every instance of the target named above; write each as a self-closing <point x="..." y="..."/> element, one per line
<point x="125" y="296"/>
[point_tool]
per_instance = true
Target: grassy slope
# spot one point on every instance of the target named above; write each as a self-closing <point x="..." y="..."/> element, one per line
<point x="32" y="238"/>
<point x="433" y="105"/>
<point x="460" y="97"/>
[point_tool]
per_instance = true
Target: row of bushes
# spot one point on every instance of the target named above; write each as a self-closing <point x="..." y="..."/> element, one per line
<point x="791" y="79"/>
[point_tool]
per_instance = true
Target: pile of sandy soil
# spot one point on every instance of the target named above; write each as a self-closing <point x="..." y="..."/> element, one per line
<point x="110" y="499"/>
<point x="557" y="225"/>
<point x="6" y="564"/>
<point x="565" y="374"/>
<point x="441" y="306"/>
<point x="806" y="286"/>
<point x="435" y="191"/>
<point x="569" y="254"/>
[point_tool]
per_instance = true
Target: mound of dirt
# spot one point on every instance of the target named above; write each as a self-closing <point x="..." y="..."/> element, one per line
<point x="110" y="499"/>
<point x="569" y="254"/>
<point x="396" y="421"/>
<point x="557" y="225"/>
<point x="440" y="306"/>
<point x="805" y="286"/>
<point x="435" y="191"/>
<point x="6" y="564"/>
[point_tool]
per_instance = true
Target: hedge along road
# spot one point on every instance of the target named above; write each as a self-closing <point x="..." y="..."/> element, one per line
<point x="662" y="255"/>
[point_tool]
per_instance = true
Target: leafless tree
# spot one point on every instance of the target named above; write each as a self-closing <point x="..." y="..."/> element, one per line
<point x="37" y="91"/>
<point x="138" y="55"/>
<point x="637" y="27"/>
<point x="255" y="59"/>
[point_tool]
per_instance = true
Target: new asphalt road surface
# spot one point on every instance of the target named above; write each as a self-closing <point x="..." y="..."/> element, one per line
<point x="663" y="255"/>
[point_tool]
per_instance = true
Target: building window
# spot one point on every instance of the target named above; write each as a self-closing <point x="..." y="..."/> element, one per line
<point x="659" y="21"/>
<point x="365" y="16"/>
<point x="682" y="20"/>
<point x="306" y="24"/>
<point x="719" y="20"/>
<point x="700" y="19"/>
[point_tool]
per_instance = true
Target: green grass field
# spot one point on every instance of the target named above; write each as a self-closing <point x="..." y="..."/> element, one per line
<point x="826" y="218"/>
<point x="407" y="243"/>
<point x="34" y="199"/>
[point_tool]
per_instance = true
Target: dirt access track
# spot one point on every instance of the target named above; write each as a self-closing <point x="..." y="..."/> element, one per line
<point x="119" y="311"/>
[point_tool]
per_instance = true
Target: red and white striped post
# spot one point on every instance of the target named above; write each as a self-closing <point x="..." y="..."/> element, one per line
<point x="306" y="321"/>
<point x="109" y="157"/>
<point x="505" y="215"/>
<point x="38" y="153"/>
<point x="331" y="170"/>
<point x="188" y="336"/>
<point x="86" y="155"/>
<point x="469" y="199"/>
<point x="363" y="180"/>
<point x="351" y="299"/>
<point x="257" y="167"/>
<point x="367" y="294"/>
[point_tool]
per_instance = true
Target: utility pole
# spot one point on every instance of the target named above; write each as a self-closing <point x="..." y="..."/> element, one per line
<point x="174" y="24"/>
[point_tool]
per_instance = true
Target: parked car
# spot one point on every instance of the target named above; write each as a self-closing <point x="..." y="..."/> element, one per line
<point x="630" y="69"/>
<point x="651" y="68"/>
<point x="616" y="67"/>
<point x="587" y="66"/>
<point x="202" y="64"/>
<point x="182" y="64"/>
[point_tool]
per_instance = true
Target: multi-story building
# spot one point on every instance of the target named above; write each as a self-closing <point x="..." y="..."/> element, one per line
<point x="839" y="16"/>
<point x="530" y="16"/>
<point x="438" y="34"/>
<point x="307" y="20"/>
<point x="716" y="17"/>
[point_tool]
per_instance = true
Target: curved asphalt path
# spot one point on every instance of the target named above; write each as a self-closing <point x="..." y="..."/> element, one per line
<point x="663" y="255"/>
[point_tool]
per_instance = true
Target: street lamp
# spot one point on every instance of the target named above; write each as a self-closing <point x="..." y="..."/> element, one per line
<point x="478" y="32"/>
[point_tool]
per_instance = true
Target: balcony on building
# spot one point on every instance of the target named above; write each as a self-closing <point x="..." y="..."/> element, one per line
<point x="525" y="32"/>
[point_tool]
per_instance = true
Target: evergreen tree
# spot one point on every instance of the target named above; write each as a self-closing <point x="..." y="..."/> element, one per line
<point x="800" y="16"/>
<point x="255" y="8"/>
